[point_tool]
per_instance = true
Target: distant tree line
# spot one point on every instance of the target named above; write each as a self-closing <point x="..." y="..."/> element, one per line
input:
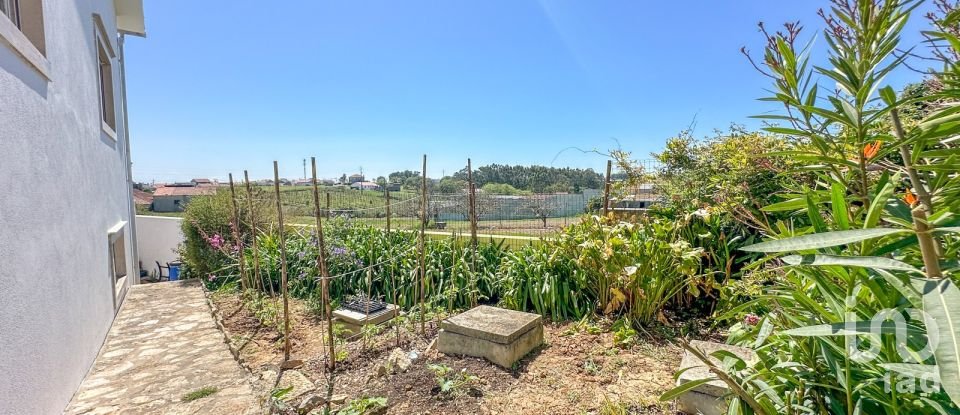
<point x="509" y="180"/>
<point x="537" y="179"/>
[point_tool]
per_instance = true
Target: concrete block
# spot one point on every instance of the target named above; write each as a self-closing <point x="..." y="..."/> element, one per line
<point x="353" y="321"/>
<point x="708" y="398"/>
<point x="498" y="335"/>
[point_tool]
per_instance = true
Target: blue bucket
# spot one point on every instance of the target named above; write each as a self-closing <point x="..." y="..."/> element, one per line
<point x="174" y="271"/>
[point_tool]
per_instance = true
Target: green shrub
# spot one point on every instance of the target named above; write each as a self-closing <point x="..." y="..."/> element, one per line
<point x="206" y="219"/>
<point x="861" y="250"/>
<point x="208" y="244"/>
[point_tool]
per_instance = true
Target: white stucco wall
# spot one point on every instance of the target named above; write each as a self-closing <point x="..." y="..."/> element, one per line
<point x="63" y="185"/>
<point x="157" y="240"/>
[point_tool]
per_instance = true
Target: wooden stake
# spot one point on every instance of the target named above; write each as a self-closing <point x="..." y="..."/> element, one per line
<point x="322" y="264"/>
<point x="283" y="265"/>
<point x="386" y="197"/>
<point x="236" y="235"/>
<point x="423" y="261"/>
<point x="393" y="278"/>
<point x="472" y="197"/>
<point x="606" y="190"/>
<point x="258" y="279"/>
<point x="328" y="205"/>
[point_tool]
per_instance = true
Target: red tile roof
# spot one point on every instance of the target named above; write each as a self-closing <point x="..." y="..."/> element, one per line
<point x="142" y="198"/>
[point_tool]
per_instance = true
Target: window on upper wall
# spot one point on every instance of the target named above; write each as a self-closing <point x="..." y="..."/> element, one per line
<point x="27" y="17"/>
<point x="9" y="8"/>
<point x="108" y="112"/>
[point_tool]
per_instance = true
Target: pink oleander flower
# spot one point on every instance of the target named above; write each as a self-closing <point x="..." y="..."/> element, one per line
<point x="215" y="241"/>
<point x="211" y="277"/>
<point x="751" y="319"/>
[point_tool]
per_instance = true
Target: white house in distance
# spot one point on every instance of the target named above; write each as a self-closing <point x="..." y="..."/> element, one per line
<point x="365" y="186"/>
<point x="67" y="232"/>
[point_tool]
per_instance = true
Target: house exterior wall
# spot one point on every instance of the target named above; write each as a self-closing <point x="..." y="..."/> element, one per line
<point x="65" y="184"/>
<point x="169" y="203"/>
<point x="157" y="240"/>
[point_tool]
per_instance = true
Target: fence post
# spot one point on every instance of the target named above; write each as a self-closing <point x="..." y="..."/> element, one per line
<point x="283" y="265"/>
<point x="258" y="279"/>
<point x="236" y="234"/>
<point x="423" y="262"/>
<point x="328" y="205"/>
<point x="387" y="204"/>
<point x="322" y="263"/>
<point x="606" y="190"/>
<point x="472" y="197"/>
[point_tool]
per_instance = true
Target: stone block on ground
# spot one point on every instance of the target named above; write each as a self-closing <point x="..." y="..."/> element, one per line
<point x="300" y="384"/>
<point x="498" y="335"/>
<point x="708" y="398"/>
<point x="353" y="321"/>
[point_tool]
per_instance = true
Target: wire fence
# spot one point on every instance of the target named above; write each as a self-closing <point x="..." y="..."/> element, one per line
<point x="404" y="272"/>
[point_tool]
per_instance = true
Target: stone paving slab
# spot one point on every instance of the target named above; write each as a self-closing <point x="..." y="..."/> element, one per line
<point x="494" y="324"/>
<point x="163" y="345"/>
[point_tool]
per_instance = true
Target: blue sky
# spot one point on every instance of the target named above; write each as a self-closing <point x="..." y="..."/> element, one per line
<point x="220" y="86"/>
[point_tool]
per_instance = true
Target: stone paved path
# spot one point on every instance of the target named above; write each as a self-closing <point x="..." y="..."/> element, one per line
<point x="163" y="345"/>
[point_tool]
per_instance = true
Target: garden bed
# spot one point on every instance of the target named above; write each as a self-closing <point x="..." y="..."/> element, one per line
<point x="578" y="370"/>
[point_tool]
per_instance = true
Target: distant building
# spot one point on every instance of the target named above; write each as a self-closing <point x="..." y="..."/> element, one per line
<point x="639" y="197"/>
<point x="174" y="198"/>
<point x="141" y="198"/>
<point x="393" y="187"/>
<point x="203" y="182"/>
<point x="365" y="186"/>
<point x="355" y="178"/>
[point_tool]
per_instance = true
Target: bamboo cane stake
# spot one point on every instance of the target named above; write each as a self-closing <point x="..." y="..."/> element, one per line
<point x="236" y="235"/>
<point x="393" y="278"/>
<point x="423" y="263"/>
<point x="606" y="189"/>
<point x="322" y="263"/>
<point x="258" y="279"/>
<point x="283" y="265"/>
<point x="473" y="233"/>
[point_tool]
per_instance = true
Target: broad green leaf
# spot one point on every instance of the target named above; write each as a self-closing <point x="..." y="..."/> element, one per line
<point x="879" y="201"/>
<point x="838" y="202"/>
<point x="902" y="285"/>
<point x="766" y="328"/>
<point x="888" y="95"/>
<point x="941" y="301"/>
<point x="846" y="328"/>
<point x="683" y="388"/>
<point x="787" y="205"/>
<point x="820" y="240"/>
<point x="850" y="261"/>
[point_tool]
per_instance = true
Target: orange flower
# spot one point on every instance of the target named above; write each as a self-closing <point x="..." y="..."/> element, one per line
<point x="910" y="198"/>
<point x="871" y="150"/>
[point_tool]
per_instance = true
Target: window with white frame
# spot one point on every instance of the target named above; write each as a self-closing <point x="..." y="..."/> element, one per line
<point x="118" y="250"/>
<point x="10" y="8"/>
<point x="108" y="112"/>
<point x="27" y="18"/>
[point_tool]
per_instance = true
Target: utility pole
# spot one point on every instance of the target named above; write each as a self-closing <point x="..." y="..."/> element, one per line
<point x="304" y="169"/>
